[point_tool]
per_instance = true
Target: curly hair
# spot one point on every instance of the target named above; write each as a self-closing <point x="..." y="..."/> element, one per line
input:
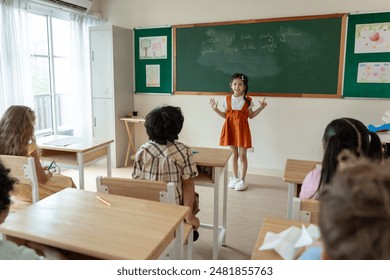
<point x="354" y="216"/>
<point x="164" y="124"/>
<point x="16" y="130"/>
<point x="6" y="185"/>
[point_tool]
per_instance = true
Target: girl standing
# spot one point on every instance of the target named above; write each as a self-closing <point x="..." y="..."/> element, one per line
<point x="237" y="108"/>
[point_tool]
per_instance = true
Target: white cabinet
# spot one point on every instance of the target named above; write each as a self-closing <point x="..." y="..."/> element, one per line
<point x="112" y="85"/>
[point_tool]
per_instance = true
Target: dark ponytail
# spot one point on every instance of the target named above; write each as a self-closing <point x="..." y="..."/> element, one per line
<point x="375" y="147"/>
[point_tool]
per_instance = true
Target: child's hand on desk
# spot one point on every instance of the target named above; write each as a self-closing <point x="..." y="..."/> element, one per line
<point x="194" y="221"/>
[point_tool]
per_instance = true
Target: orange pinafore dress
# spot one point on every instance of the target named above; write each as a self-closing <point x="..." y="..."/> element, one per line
<point x="236" y="131"/>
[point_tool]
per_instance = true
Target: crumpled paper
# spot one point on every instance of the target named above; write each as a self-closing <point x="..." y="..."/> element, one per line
<point x="288" y="242"/>
<point x="386" y="117"/>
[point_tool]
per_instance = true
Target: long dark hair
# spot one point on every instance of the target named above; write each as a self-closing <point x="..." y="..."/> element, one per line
<point x="243" y="78"/>
<point x="347" y="134"/>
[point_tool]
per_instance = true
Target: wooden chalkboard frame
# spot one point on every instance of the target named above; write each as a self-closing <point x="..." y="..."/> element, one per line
<point x="353" y="88"/>
<point x="336" y="94"/>
<point x="163" y="64"/>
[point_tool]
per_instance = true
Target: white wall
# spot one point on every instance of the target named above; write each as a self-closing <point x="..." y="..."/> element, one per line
<point x="288" y="127"/>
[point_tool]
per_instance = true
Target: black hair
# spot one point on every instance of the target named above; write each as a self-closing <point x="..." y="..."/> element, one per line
<point x="164" y="124"/>
<point x="6" y="185"/>
<point x="347" y="134"/>
<point x="243" y="78"/>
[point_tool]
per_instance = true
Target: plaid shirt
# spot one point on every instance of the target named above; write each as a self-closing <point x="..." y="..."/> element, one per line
<point x="173" y="162"/>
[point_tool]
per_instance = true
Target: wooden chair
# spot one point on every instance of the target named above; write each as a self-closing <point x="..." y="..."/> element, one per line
<point x="295" y="172"/>
<point x="23" y="169"/>
<point x="306" y="210"/>
<point x="144" y="189"/>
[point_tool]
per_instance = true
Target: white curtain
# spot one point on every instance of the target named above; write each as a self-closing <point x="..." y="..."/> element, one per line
<point x="81" y="81"/>
<point x="15" y="66"/>
<point x="15" y="75"/>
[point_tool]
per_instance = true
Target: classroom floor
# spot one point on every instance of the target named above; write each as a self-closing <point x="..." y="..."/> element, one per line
<point x="266" y="196"/>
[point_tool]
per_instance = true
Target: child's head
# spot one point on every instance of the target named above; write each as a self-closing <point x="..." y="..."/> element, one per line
<point x="241" y="77"/>
<point x="354" y="215"/>
<point x="16" y="130"/>
<point x="6" y="185"/>
<point x="164" y="124"/>
<point x="347" y="134"/>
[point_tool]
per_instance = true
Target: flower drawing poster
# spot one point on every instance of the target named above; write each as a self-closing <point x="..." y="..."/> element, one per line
<point x="374" y="72"/>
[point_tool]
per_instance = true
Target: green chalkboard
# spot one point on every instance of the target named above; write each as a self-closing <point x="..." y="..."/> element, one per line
<point x="153" y="60"/>
<point x="298" y="56"/>
<point x="367" y="56"/>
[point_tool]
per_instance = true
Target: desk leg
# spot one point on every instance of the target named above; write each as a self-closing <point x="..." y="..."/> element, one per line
<point x="130" y="145"/>
<point x="292" y="190"/>
<point x="177" y="251"/>
<point x="216" y="217"/>
<point x="80" y="164"/>
<point x="224" y="213"/>
<point x="109" y="169"/>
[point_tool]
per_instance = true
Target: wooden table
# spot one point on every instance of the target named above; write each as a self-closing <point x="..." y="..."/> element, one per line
<point x="216" y="160"/>
<point x="130" y="123"/>
<point x="79" y="152"/>
<point x="294" y="173"/>
<point x="275" y="225"/>
<point x="74" y="220"/>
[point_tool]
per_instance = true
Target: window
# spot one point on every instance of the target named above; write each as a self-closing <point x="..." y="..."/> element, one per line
<point x="50" y="40"/>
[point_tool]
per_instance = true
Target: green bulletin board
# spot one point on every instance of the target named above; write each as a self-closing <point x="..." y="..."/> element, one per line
<point x="153" y="60"/>
<point x="367" y="58"/>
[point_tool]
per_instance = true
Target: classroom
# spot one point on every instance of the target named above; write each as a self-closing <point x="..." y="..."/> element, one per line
<point x="291" y="127"/>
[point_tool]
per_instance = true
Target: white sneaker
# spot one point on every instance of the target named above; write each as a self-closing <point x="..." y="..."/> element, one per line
<point x="241" y="185"/>
<point x="232" y="182"/>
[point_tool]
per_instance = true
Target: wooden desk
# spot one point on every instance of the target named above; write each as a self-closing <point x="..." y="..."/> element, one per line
<point x="77" y="154"/>
<point x="294" y="173"/>
<point x="74" y="220"/>
<point x="217" y="160"/>
<point x="275" y="225"/>
<point x="130" y="122"/>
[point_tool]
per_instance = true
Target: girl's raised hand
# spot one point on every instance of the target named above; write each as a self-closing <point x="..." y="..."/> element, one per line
<point x="213" y="103"/>
<point x="263" y="103"/>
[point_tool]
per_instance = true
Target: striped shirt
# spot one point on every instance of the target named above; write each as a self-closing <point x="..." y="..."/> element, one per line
<point x="173" y="162"/>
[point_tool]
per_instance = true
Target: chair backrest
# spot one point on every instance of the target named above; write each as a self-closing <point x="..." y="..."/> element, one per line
<point x="306" y="210"/>
<point x="144" y="189"/>
<point x="23" y="169"/>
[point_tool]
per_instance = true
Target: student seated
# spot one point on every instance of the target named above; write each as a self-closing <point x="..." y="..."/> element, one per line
<point x="354" y="215"/>
<point x="341" y="134"/>
<point x="17" y="139"/>
<point x="8" y="249"/>
<point x="163" y="158"/>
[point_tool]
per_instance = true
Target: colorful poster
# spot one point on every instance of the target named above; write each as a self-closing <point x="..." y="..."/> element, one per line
<point x="153" y="47"/>
<point x="374" y="72"/>
<point x="372" y="38"/>
<point x="153" y="75"/>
